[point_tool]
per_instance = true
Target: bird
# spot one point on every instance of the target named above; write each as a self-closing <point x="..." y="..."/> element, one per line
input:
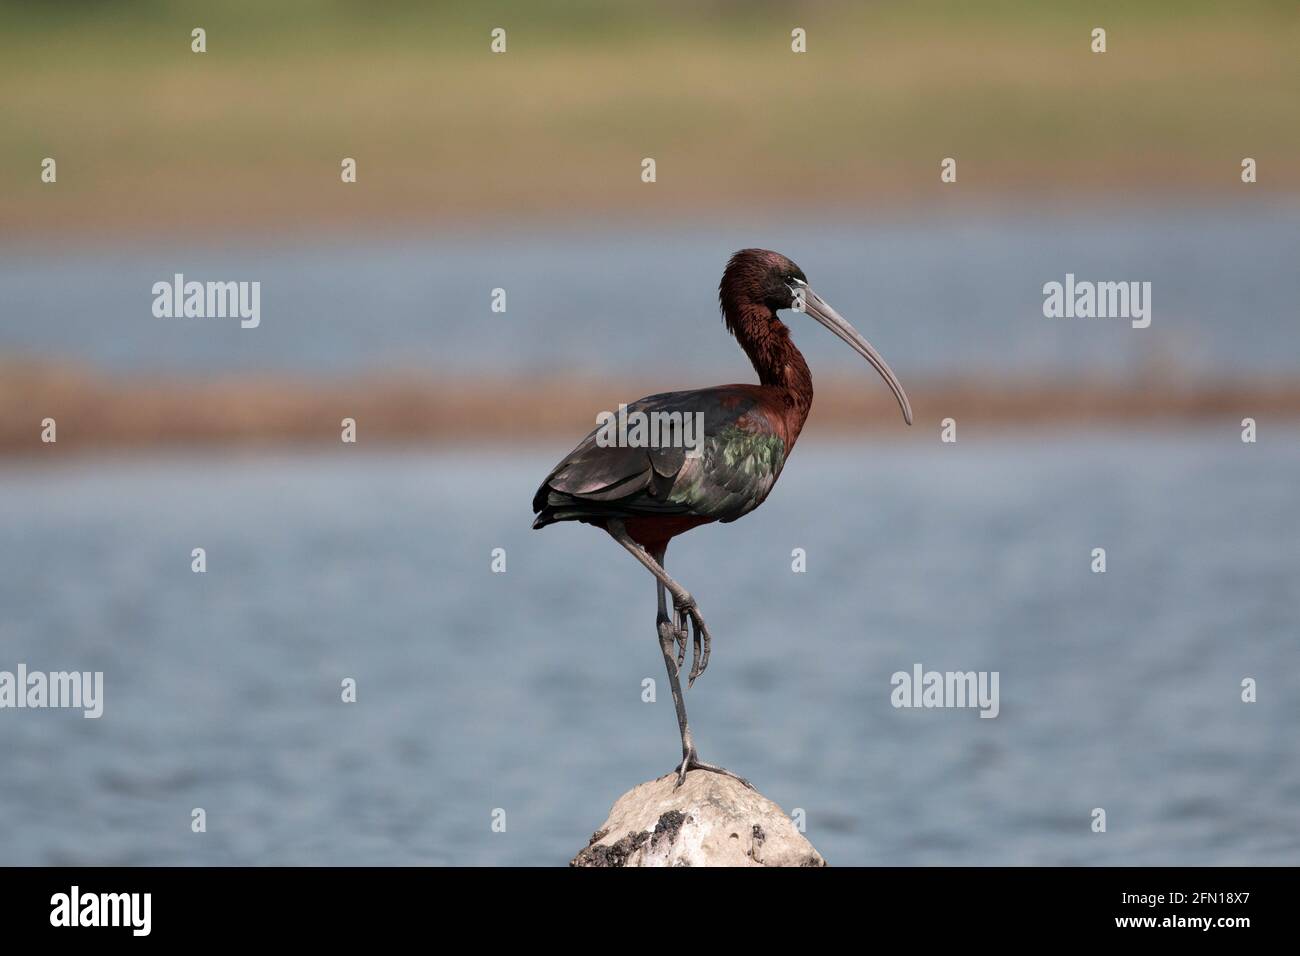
<point x="645" y="493"/>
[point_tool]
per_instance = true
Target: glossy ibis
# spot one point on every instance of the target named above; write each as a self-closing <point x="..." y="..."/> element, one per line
<point x="644" y="496"/>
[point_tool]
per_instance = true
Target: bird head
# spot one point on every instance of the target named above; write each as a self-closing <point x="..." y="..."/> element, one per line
<point x="756" y="277"/>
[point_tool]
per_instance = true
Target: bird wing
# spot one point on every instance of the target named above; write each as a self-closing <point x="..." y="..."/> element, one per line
<point x="741" y="456"/>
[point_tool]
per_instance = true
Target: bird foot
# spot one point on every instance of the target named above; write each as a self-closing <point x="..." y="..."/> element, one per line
<point x="688" y="619"/>
<point x="691" y="761"/>
<point x="670" y="636"/>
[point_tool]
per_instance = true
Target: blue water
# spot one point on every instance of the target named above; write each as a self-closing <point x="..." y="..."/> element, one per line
<point x="938" y="294"/>
<point x="522" y="691"/>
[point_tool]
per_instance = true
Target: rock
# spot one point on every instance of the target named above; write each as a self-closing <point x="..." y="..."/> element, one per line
<point x="711" y="820"/>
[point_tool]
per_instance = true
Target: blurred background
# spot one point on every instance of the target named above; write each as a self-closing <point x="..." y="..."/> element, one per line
<point x="522" y="171"/>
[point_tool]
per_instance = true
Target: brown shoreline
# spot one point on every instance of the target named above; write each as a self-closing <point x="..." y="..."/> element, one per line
<point x="98" y="412"/>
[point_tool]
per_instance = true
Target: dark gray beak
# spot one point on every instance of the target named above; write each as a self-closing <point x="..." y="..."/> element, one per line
<point x="819" y="309"/>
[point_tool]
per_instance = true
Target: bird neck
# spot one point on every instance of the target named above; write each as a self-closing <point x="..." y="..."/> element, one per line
<point x="779" y="364"/>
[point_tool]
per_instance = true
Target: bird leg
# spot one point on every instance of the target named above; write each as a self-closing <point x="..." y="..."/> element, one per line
<point x="671" y="634"/>
<point x="683" y="604"/>
<point x="681" y="631"/>
<point x="667" y="634"/>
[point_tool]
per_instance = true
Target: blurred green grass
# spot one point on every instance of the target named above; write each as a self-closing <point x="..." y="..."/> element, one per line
<point x="148" y="134"/>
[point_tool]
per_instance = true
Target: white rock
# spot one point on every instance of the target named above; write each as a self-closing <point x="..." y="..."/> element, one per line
<point x="712" y="820"/>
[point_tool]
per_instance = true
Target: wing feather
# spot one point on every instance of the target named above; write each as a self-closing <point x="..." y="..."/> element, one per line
<point x="741" y="456"/>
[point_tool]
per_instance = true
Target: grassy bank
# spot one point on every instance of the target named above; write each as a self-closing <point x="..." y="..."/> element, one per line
<point x="149" y="136"/>
<point x="97" y="412"/>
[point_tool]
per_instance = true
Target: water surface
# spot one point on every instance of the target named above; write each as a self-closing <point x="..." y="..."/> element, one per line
<point x="938" y="294"/>
<point x="522" y="690"/>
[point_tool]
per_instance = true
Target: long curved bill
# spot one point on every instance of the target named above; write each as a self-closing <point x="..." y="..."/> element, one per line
<point x="818" y="308"/>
